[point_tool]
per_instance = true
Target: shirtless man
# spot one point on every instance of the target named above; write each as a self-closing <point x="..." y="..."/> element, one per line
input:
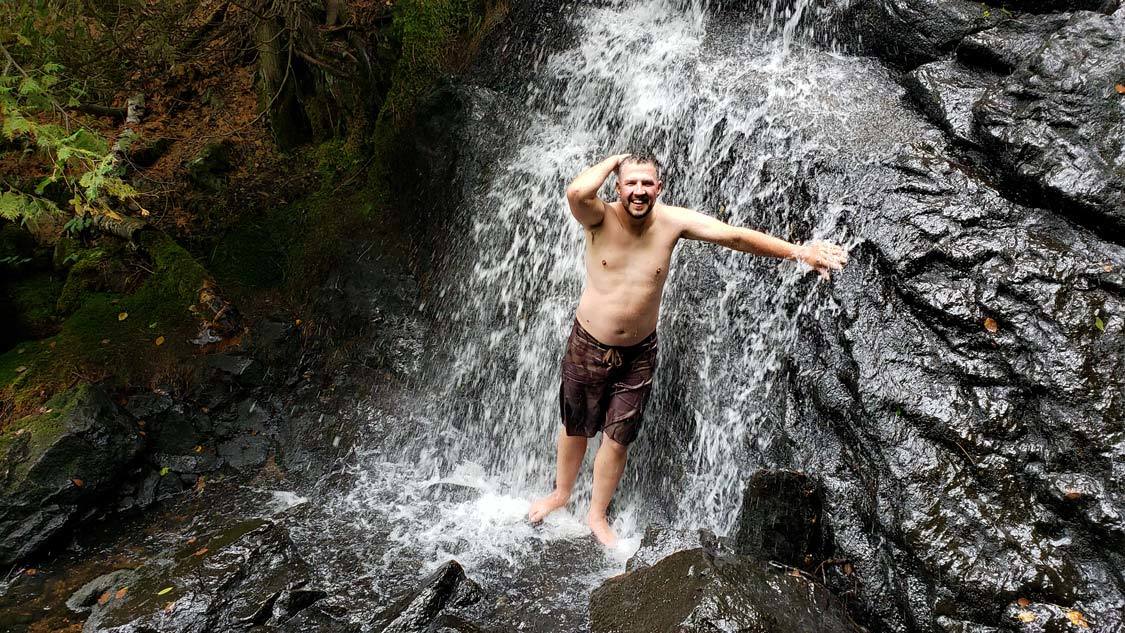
<point x="611" y="353"/>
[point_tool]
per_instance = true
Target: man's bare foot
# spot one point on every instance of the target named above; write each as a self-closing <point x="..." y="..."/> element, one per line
<point x="542" y="507"/>
<point x="600" y="527"/>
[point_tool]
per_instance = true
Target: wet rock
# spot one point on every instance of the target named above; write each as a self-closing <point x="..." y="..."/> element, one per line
<point x="451" y="492"/>
<point x="249" y="574"/>
<point x="275" y="341"/>
<point x="243" y="369"/>
<point x="55" y="465"/>
<point x="947" y="91"/>
<point x="1010" y="43"/>
<point x="782" y="519"/>
<point x="440" y="603"/>
<point x="658" y="542"/>
<point x="246" y="451"/>
<point x="913" y="32"/>
<point x="86" y="596"/>
<point x="1057" y="124"/>
<point x="972" y="379"/>
<point x="691" y="591"/>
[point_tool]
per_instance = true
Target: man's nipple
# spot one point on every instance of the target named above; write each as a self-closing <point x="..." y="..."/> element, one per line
<point x="657" y="272"/>
<point x="603" y="262"/>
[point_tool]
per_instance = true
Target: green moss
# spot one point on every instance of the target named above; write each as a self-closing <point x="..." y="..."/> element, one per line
<point x="333" y="158"/>
<point x="33" y="302"/>
<point x="85" y="276"/>
<point x="428" y="32"/>
<point x="36" y="432"/>
<point x="113" y="335"/>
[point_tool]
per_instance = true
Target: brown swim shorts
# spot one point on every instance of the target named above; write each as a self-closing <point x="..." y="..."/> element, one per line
<point x="604" y="387"/>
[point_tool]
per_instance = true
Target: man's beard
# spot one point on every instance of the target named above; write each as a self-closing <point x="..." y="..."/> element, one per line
<point x="639" y="216"/>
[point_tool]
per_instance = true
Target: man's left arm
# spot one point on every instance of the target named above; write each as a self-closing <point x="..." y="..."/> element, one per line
<point x="823" y="256"/>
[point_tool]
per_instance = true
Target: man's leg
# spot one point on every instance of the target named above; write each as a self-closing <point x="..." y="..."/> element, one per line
<point x="571" y="450"/>
<point x="608" y="466"/>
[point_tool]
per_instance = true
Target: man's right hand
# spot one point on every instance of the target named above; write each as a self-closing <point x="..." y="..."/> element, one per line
<point x="582" y="193"/>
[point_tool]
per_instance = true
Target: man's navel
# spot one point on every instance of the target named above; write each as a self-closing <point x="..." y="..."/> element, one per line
<point x="603" y="262"/>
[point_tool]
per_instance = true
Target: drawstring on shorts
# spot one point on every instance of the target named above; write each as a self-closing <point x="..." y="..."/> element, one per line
<point x="612" y="357"/>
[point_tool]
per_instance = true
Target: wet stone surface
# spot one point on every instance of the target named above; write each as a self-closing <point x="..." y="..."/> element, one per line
<point x="714" y="594"/>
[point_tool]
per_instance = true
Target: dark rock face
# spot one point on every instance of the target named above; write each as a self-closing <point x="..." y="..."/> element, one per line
<point x="1010" y="43"/>
<point x="973" y="386"/>
<point x="57" y="463"/>
<point x="782" y="519"/>
<point x="947" y="91"/>
<point x="912" y="32"/>
<point x="250" y="575"/>
<point x="1058" y="122"/>
<point x="714" y="594"/>
<point x="441" y="603"/>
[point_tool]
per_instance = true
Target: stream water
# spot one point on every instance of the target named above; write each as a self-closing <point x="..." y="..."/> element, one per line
<point x="754" y="126"/>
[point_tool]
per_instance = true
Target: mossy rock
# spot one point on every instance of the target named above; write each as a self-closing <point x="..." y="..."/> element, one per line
<point x="89" y="273"/>
<point x="56" y="463"/>
<point x="134" y="338"/>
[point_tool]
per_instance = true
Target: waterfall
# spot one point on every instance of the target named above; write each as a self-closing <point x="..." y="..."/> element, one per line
<point x="754" y="127"/>
<point x="722" y="108"/>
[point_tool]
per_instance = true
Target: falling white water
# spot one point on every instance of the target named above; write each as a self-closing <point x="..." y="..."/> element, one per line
<point x="754" y="127"/>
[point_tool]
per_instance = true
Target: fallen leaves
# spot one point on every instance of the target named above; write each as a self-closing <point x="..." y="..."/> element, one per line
<point x="104" y="598"/>
<point x="122" y="316"/>
<point x="159" y="341"/>
<point x="78" y="483"/>
<point x="1072" y="495"/>
<point x="1077" y="619"/>
<point x="1023" y="602"/>
<point x="21" y="369"/>
<point x="121" y="593"/>
<point x="1098" y="323"/>
<point x="991" y="325"/>
<point x="30" y="571"/>
<point x="1120" y="88"/>
<point x="1025" y="616"/>
<point x="164" y="591"/>
<point x="164" y="471"/>
<point x="200" y="552"/>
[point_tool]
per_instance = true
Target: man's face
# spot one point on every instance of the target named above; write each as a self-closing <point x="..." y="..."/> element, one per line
<point x="637" y="188"/>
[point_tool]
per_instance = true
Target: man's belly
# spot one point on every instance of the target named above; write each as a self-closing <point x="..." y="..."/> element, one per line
<point x="618" y="319"/>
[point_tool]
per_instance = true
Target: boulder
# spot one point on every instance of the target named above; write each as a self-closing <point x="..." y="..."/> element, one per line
<point x="692" y="591"/>
<point x="56" y="464"/>
<point x="247" y="575"/>
<point x="1056" y="126"/>
<point x="964" y="406"/>
<point x="442" y="602"/>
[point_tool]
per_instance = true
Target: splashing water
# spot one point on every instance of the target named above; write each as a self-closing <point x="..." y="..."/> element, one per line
<point x="755" y="128"/>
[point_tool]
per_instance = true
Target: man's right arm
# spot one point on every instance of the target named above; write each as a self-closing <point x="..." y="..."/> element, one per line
<point x="582" y="193"/>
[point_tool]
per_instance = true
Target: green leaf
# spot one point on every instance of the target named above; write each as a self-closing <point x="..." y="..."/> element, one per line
<point x="43" y="184"/>
<point x="164" y="591"/>
<point x="15" y="124"/>
<point x="164" y="471"/>
<point x="22" y="40"/>
<point x="30" y="87"/>
<point x="1098" y="323"/>
<point x="52" y="67"/>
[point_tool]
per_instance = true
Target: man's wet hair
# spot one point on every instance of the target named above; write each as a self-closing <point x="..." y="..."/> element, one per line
<point x="642" y="158"/>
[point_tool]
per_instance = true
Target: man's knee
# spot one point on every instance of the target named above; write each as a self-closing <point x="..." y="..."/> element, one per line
<point x="613" y="445"/>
